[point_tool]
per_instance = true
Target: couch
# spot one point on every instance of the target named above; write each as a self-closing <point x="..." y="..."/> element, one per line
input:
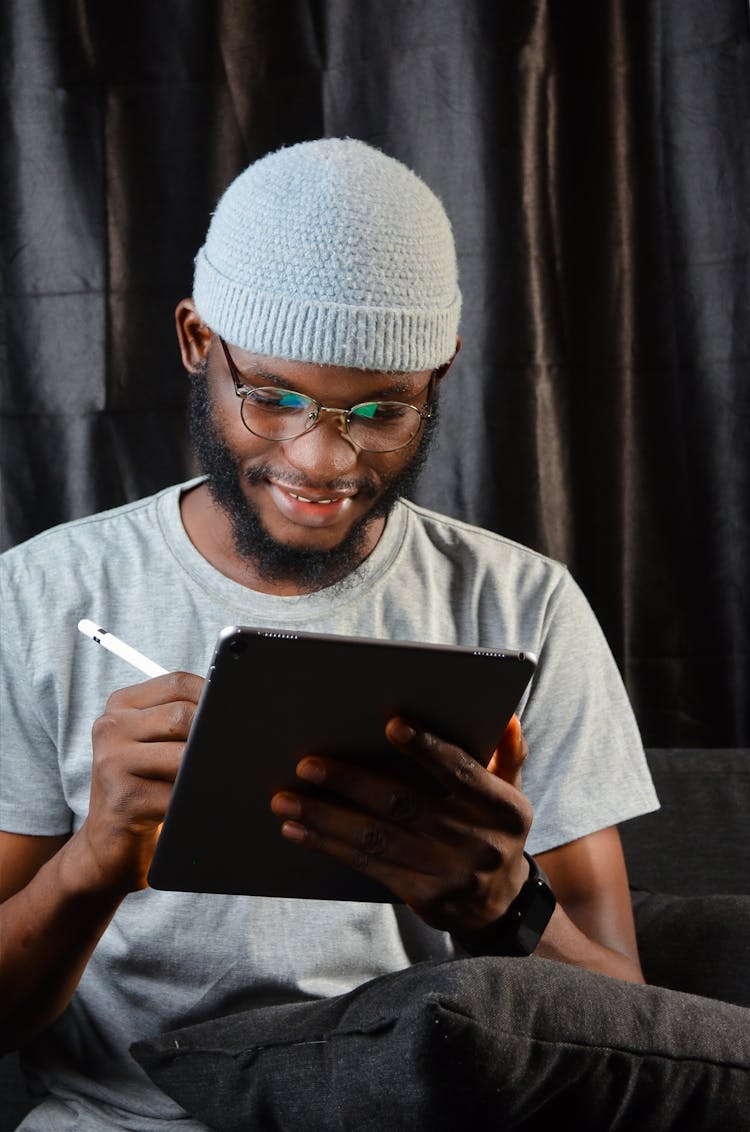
<point x="687" y="863"/>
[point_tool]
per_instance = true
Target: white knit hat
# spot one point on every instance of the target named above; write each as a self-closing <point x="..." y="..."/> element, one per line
<point x="331" y="252"/>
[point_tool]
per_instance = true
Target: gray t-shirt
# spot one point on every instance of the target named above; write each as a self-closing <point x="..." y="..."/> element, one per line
<point x="168" y="959"/>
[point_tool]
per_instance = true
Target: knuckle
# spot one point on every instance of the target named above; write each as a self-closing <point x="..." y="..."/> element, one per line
<point x="178" y="683"/>
<point x="520" y="815"/>
<point x="402" y="806"/>
<point x="491" y="857"/>
<point x="513" y="813"/>
<point x="180" y="686"/>
<point x="372" y="841"/>
<point x="104" y="727"/>
<point x="179" y="718"/>
<point x="464" y="769"/>
<point x="472" y="886"/>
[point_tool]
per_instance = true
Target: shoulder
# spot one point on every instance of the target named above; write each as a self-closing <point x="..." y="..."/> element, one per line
<point x="89" y="532"/>
<point x="456" y="537"/>
<point x="83" y="563"/>
<point x="485" y="587"/>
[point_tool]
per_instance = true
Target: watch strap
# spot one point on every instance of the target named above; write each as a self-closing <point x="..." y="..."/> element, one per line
<point x="518" y="931"/>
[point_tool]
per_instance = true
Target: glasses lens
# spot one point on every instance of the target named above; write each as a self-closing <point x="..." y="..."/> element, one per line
<point x="384" y="426"/>
<point x="277" y="414"/>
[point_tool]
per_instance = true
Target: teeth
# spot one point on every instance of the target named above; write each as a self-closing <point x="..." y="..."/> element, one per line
<point x="304" y="499"/>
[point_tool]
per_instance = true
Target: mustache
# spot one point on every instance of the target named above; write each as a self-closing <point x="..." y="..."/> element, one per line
<point x="362" y="484"/>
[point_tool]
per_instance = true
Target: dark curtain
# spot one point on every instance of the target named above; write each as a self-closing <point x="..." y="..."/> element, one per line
<point x="593" y="156"/>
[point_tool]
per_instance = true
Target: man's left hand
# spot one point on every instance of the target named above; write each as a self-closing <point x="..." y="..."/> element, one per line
<point x="447" y="841"/>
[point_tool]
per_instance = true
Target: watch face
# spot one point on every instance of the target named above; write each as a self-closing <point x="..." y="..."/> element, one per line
<point x="535" y="916"/>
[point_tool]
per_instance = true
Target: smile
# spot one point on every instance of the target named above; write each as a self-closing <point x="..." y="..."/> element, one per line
<point x="316" y="500"/>
<point x="308" y="509"/>
<point x="305" y="499"/>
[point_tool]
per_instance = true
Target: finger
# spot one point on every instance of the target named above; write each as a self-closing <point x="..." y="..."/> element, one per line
<point x="417" y="889"/>
<point x="510" y="755"/>
<point x="386" y="795"/>
<point x="421" y="807"/>
<point x="464" y="779"/>
<point x="314" y="821"/>
<point x="170" y="687"/>
<point x="320" y="824"/>
<point x="456" y="772"/>
<point x="164" y="722"/>
<point x="155" y="762"/>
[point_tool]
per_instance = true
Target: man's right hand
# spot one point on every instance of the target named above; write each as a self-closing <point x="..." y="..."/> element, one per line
<point x="137" y="747"/>
<point x="58" y="894"/>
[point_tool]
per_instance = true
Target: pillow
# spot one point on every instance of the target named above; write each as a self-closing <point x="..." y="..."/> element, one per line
<point x="483" y="1043"/>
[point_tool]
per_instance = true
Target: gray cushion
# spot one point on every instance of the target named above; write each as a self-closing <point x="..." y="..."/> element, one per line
<point x="481" y="1043"/>
<point x="698" y="944"/>
<point x="697" y="843"/>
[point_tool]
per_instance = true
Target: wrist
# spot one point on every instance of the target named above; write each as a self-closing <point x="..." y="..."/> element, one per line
<point x="518" y="931"/>
<point x="82" y="875"/>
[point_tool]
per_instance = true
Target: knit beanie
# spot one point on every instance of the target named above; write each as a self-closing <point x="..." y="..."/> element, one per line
<point x="331" y="252"/>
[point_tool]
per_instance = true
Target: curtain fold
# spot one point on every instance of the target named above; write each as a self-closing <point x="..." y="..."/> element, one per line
<point x="594" y="161"/>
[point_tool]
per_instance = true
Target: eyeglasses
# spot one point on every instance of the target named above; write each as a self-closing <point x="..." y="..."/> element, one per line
<point x="282" y="414"/>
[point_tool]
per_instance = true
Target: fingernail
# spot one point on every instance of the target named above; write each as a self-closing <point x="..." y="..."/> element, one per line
<point x="286" y="805"/>
<point x="293" y="831"/>
<point x="401" y="731"/>
<point x="312" y="770"/>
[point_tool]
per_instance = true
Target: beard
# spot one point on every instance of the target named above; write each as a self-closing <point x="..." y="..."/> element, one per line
<point x="307" y="567"/>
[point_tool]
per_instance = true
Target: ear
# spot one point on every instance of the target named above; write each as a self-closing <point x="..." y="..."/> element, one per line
<point x="441" y="371"/>
<point x="193" y="335"/>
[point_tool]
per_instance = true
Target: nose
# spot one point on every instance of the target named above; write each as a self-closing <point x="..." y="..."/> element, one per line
<point x="325" y="452"/>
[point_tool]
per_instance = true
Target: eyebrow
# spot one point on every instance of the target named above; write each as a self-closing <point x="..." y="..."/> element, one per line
<point x="260" y="376"/>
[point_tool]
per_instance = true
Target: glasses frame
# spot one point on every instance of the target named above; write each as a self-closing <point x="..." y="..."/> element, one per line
<point x="242" y="389"/>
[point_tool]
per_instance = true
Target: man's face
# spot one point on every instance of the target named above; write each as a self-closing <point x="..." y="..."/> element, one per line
<point x="305" y="510"/>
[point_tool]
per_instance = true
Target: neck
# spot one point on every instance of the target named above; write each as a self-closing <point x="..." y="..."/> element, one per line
<point x="209" y="528"/>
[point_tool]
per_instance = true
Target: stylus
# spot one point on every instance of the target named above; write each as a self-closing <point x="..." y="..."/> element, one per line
<point x="119" y="648"/>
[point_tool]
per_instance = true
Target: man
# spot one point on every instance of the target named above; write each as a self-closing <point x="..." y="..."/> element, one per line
<point x="324" y="318"/>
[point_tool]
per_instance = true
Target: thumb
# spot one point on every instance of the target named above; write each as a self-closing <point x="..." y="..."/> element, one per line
<point x="510" y="755"/>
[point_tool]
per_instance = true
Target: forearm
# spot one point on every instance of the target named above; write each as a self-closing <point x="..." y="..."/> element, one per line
<point x="565" y="943"/>
<point x="48" y="931"/>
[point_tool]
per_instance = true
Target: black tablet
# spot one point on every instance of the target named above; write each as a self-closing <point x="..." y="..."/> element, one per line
<point x="272" y="697"/>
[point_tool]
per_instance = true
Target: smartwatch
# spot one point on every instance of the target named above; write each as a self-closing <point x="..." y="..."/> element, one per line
<point x="519" y="930"/>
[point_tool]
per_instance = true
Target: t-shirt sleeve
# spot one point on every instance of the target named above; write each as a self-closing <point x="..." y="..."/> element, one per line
<point x="32" y="800"/>
<point x="586" y="768"/>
